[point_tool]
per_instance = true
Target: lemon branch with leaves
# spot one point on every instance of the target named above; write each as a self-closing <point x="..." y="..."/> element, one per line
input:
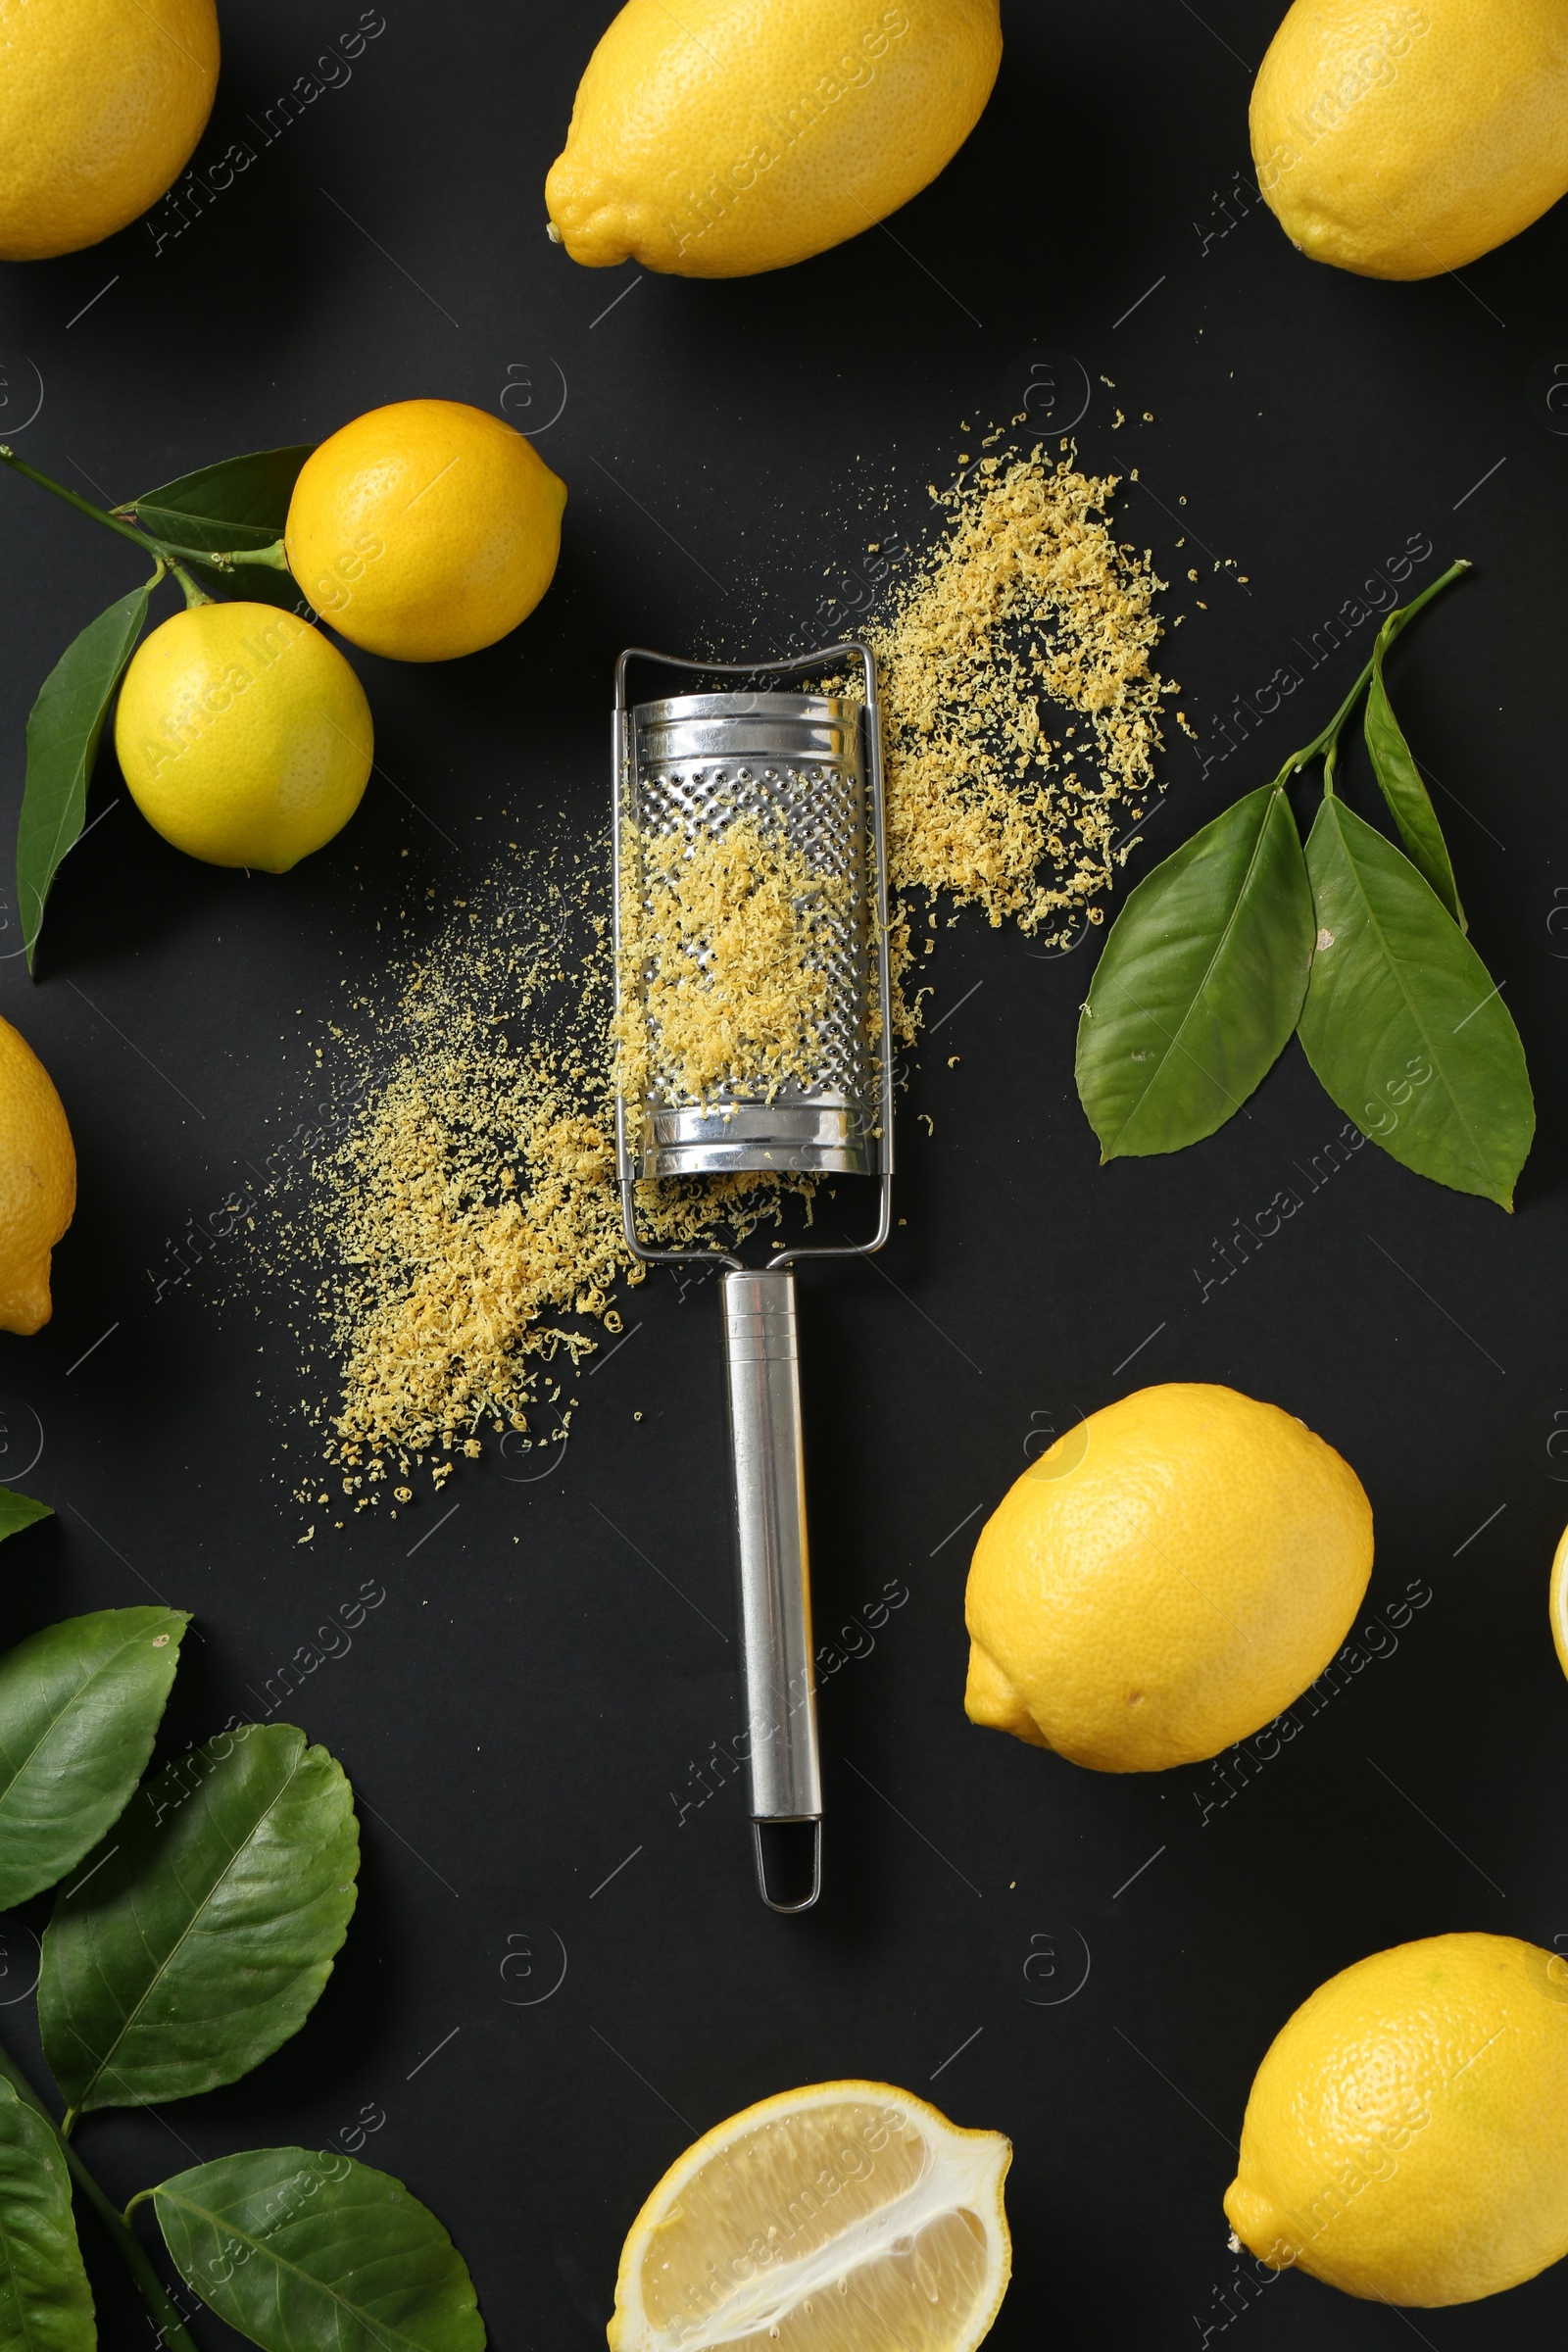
<point x="421" y="531"/>
<point x="129" y="521"/>
<point x="1360" y="947"/>
<point x="201" y="530"/>
<point x="167" y="557"/>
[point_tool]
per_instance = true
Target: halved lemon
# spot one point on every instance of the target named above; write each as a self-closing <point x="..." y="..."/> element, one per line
<point x="847" y="2217"/>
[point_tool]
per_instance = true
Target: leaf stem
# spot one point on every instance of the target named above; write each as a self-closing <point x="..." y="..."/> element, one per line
<point x="172" y="2333"/>
<point x="1390" y="628"/>
<point x="141" y="539"/>
<point x="168" y="549"/>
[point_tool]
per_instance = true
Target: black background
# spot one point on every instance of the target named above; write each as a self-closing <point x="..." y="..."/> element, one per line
<point x="525" y="1708"/>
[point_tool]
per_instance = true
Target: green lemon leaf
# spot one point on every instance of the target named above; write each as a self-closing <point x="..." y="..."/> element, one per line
<point x="312" y="2252"/>
<point x="1402" y="1023"/>
<point x="1410" y="804"/>
<point x="45" y="2301"/>
<point x="64" y="730"/>
<point x="203" y="1935"/>
<point x="79" y="1708"/>
<point x="1200" y="983"/>
<point x="18" y="1511"/>
<point x="241" y="502"/>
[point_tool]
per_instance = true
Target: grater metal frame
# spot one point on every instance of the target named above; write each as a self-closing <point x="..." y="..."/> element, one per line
<point x="872" y="723"/>
<point x="760" y="1337"/>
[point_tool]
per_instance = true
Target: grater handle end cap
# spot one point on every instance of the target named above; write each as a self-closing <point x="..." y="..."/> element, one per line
<point x="780" y="1849"/>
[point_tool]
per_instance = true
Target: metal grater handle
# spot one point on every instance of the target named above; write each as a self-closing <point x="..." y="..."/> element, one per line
<point x="767" y="1460"/>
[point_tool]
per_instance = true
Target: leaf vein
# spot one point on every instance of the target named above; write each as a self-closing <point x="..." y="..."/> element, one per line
<point x="162" y="1968"/>
<point x="1478" y="1158"/>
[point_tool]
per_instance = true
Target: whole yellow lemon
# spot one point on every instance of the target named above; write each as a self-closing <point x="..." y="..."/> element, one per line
<point x="38" y="1182"/>
<point x="244" y="736"/>
<point x="101" y="103"/>
<point x="1407" y="2137"/>
<point x="730" y="135"/>
<point x="1558" y="1602"/>
<point x="1399" y="138"/>
<point x="1165" y="1579"/>
<point x="425" y="529"/>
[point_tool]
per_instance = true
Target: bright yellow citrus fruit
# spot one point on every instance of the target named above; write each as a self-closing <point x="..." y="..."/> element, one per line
<point x="1399" y="138"/>
<point x="724" y="137"/>
<point x="38" y="1182"/>
<point x="1407" y="2137"/>
<point x="424" y="530"/>
<point x="244" y="736"/>
<point x="1558" y="1602"/>
<point x="1165" y="1579"/>
<point x="101" y="103"/>
<point x="849" y="2217"/>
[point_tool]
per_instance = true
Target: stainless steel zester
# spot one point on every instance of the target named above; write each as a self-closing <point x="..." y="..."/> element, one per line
<point x="810" y="766"/>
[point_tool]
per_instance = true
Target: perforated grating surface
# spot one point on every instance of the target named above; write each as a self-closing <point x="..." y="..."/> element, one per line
<point x="817" y="806"/>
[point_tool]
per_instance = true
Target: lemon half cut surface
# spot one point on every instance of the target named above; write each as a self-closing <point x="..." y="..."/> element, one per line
<point x="847" y="2217"/>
